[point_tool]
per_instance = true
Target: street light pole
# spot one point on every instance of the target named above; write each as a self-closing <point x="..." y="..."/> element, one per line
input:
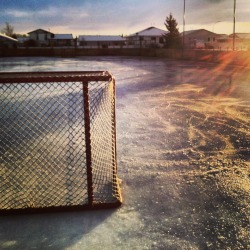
<point x="183" y="36"/>
<point x="234" y="25"/>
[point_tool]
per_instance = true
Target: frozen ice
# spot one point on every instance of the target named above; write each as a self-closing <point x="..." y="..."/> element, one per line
<point x="183" y="139"/>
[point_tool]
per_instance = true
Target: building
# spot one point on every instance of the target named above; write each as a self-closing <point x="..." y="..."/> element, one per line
<point x="148" y="38"/>
<point x="40" y="37"/>
<point x="204" y="39"/>
<point x="101" y="41"/>
<point x="200" y="39"/>
<point x="224" y="42"/>
<point x="62" y="40"/>
<point x="22" y="41"/>
<point x="7" y="42"/>
<point x="242" y="41"/>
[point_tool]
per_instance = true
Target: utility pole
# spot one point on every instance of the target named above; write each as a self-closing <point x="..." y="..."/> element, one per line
<point x="234" y="25"/>
<point x="183" y="36"/>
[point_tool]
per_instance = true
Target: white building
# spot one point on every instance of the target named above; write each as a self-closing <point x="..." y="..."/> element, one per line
<point x="101" y="41"/>
<point x="41" y="37"/>
<point x="148" y="38"/>
<point x="46" y="38"/>
<point x="62" y="40"/>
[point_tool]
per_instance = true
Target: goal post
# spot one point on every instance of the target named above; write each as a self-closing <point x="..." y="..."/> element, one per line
<point x="57" y="141"/>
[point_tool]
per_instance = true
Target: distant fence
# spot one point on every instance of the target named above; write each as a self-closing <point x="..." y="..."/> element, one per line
<point x="216" y="56"/>
<point x="57" y="141"/>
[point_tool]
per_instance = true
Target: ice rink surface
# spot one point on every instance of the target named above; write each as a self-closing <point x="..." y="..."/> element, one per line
<point x="183" y="148"/>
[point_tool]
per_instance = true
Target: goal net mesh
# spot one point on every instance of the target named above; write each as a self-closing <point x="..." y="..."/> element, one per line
<point x="57" y="140"/>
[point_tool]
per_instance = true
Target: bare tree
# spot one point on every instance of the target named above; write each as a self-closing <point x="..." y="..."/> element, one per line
<point x="8" y="30"/>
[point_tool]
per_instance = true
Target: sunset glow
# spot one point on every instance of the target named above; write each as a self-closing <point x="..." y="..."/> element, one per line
<point x="122" y="17"/>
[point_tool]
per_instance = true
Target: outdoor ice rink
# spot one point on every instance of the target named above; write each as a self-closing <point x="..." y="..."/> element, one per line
<point x="183" y="149"/>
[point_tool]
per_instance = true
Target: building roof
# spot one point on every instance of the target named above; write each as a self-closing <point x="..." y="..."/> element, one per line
<point x="40" y="30"/>
<point x="91" y="38"/>
<point x="7" y="38"/>
<point x="188" y="32"/>
<point x="223" y="37"/>
<point x="151" y="31"/>
<point x="241" y="35"/>
<point x="63" y="36"/>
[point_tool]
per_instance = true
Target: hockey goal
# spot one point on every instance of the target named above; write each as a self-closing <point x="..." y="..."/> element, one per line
<point x="57" y="141"/>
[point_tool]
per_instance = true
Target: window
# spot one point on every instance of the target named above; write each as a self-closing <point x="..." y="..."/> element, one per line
<point x="153" y="38"/>
<point x="208" y="39"/>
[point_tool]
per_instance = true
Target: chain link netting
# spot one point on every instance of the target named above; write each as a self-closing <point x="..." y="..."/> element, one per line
<point x="53" y="154"/>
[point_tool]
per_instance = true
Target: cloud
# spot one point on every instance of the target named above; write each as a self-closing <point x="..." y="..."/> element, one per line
<point x="210" y="11"/>
<point x="48" y="17"/>
<point x="115" y="16"/>
<point x="16" y="13"/>
<point x="51" y="12"/>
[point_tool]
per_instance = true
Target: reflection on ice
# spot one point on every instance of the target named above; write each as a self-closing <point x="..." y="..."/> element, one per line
<point x="183" y="142"/>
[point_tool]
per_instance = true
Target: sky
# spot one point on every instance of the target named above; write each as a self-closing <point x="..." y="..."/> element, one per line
<point x="122" y="17"/>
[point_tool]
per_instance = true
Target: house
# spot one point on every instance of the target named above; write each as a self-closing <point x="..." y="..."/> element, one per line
<point x="40" y="37"/>
<point x="90" y="41"/>
<point x="200" y="38"/>
<point x="148" y="38"/>
<point x="7" y="42"/>
<point x="22" y="41"/>
<point x="242" y="41"/>
<point x="224" y="42"/>
<point x="62" y="40"/>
